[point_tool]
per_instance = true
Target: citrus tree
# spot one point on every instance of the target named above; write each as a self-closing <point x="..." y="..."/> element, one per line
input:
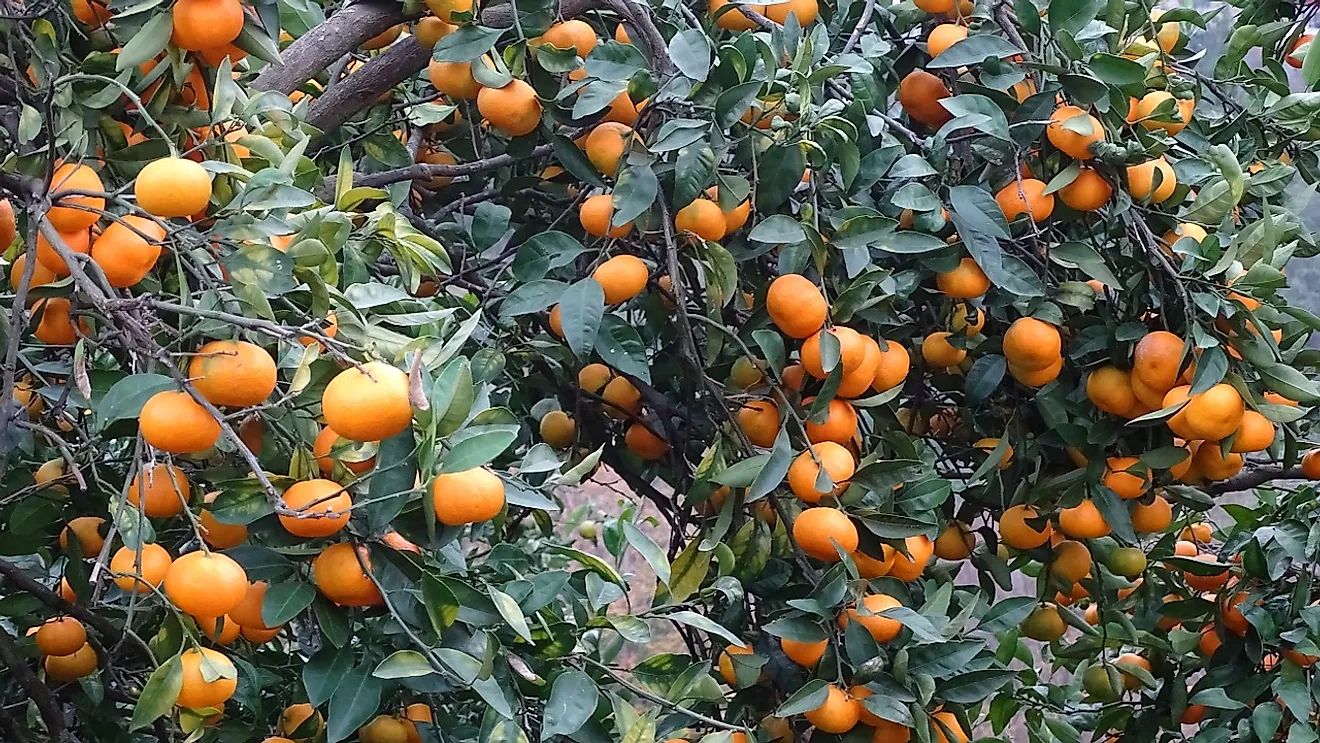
<point x="940" y="346"/>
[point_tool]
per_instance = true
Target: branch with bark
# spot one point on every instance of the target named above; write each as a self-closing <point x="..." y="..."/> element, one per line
<point x="38" y="692"/>
<point x="317" y="49"/>
<point x="361" y="89"/>
<point x="1253" y="478"/>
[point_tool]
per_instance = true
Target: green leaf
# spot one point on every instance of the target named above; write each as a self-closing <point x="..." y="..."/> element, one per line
<point x="591" y="562"/>
<point x="403" y="664"/>
<point x="543" y="252"/>
<point x="744" y="473"/>
<point x="240" y="502"/>
<point x="972" y="687"/>
<point x="1118" y="70"/>
<point x="356" y="700"/>
<point x="778" y="229"/>
<point x="147" y="43"/>
<point x="532" y="297"/>
<point x="1071" y="16"/>
<point x="984" y="377"/>
<point x="619" y="344"/>
<point x="391" y="482"/>
<point x="634" y="193"/>
<point x="973" y="50"/>
<point x="512" y="613"/>
<point x="478" y="449"/>
<point x="974" y="209"/>
<point x="1084" y="258"/>
<point x="1006" y="614"/>
<point x="466" y="43"/>
<point x="781" y="458"/>
<point x="811" y="696"/>
<point x="649" y="550"/>
<point x="442" y="606"/>
<point x="733" y="102"/>
<point x="690" y="52"/>
<point x="689" y="571"/>
<point x="705" y="624"/>
<point x="1290" y="383"/>
<point x="126" y="398"/>
<point x="780" y="173"/>
<point x="573" y="697"/>
<point x="693" y="172"/>
<point x="285" y="600"/>
<point x="158" y="694"/>
<point x="580" y="310"/>
<point x="323" y="673"/>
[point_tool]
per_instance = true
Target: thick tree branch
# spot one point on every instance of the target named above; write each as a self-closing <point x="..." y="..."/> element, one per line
<point x="1254" y="478"/>
<point x="360" y="89"/>
<point x="317" y="49"/>
<point x="38" y="692"/>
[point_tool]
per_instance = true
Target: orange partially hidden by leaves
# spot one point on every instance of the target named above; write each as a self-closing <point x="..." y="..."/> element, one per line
<point x="805" y="10"/>
<point x="216" y="534"/>
<point x="939" y="353"/>
<point x="74" y="212"/>
<point x="733" y="19"/>
<point x="40" y="274"/>
<point x="340" y="577"/>
<point x="1292" y="58"/>
<point x="248" y="611"/>
<point x="840" y="425"/>
<point x="907" y="569"/>
<point x="323" y="508"/>
<point x="1083" y="521"/>
<point x="1087" y="192"/>
<point x="622" y="277"/>
<point x="368" y="403"/>
<point x="172" y="421"/>
<point x="513" y="109"/>
<point x="967" y="281"/>
<point x="838" y="714"/>
<point x="644" y="442"/>
<point x="735" y="218"/>
<point x="838" y="463"/>
<point x="205" y="584"/>
<point x="220" y="630"/>
<point x="382" y="39"/>
<point x="88" y="531"/>
<point x="61" y="636"/>
<point x="200" y="664"/>
<point x="1017" y="533"/>
<point x="206" y="24"/>
<point x="127" y="251"/>
<point x="920" y="94"/>
<point x="1026" y="196"/>
<point x="56" y="325"/>
<point x="95" y="14"/>
<point x="606" y="145"/>
<point x="160" y="490"/>
<point x="816" y="531"/>
<point x="572" y="34"/>
<point x="78" y="241"/>
<point x="1214" y="414"/>
<point x="234" y="373"/>
<point x="944" y="36"/>
<point x="454" y="79"/>
<point x="1153" y="180"/>
<point x="467" y="497"/>
<point x="796" y="306"/>
<point x="173" y="186"/>
<point x="1072" y="131"/>
<point x="852" y="351"/>
<point x="595" y="215"/>
<point x="702" y="218"/>
<point x="327" y="449"/>
<point x="955" y="542"/>
<point x="804" y="653"/>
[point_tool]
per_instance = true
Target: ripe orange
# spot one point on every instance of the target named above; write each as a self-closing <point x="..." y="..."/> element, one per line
<point x="1088" y="191"/>
<point x="960" y="322"/>
<point x="61" y="636"/>
<point x="894" y="366"/>
<point x="140" y="576"/>
<point x="160" y="490"/>
<point x="205" y="584"/>
<point x="382" y="39"/>
<point x="248" y="611"/>
<point x="838" y="463"/>
<point x="594" y="377"/>
<point x="733" y="19"/>
<point x="234" y="373"/>
<point x="607" y="144"/>
<point x="1026" y="196"/>
<point x="88" y="531"/>
<point x="96" y="14"/>
<point x="1310" y="465"/>
<point x="1083" y="521"/>
<point x="125" y="256"/>
<point x="1157" y="360"/>
<point x="448" y="10"/>
<point x="796" y="306"/>
<point x="759" y="419"/>
<point x="196" y="691"/>
<point x="852" y="351"/>
<point x="259" y="636"/>
<point x="1141" y="180"/>
<point x="1178" y="421"/>
<point x="174" y="186"/>
<point x="725" y="662"/>
<point x="220" y="630"/>
<point x="430" y="30"/>
<point x="840" y="426"/>
<point x="1110" y="389"/>
<point x="1017" y="533"/>
<point x="1212" y="465"/>
<point x="1130" y="681"/>
<point x="1072" y="131"/>
<point x="1215" y="413"/>
<point x="1292" y="58"/>
<point x="63" y="668"/>
<point x="988" y="445"/>
<point x="467" y="497"/>
<point x="217" y="535"/>
<point x="1072" y="561"/>
<point x="702" y="218"/>
<point x="806" y="654"/>
<point x="1032" y="345"/>
<point x="645" y="441"/>
<point x="56" y="327"/>
<point x="172" y="421"/>
<point x="431" y="156"/>
<point x="1154" y="517"/>
<point x="558" y="429"/>
<point x="838" y="714"/>
<point x="967" y="281"/>
<point x="805" y="10"/>
<point x="40" y="274"/>
<point x="1145" y="109"/>
<point x="576" y="35"/>
<point x="856" y="382"/>
<point x="323" y="505"/>
<point x="384" y="729"/>
<point x="870" y="567"/>
<point x="340" y="577"/>
<point x="1038" y="378"/>
<point x="74" y="214"/>
<point x="625" y="399"/>
<point x="944" y="36"/>
<point x="513" y="109"/>
<point x="622" y="277"/>
<point x="329" y="447"/>
<point x="368" y="403"/>
<point x="956" y="542"/>
<point x="205" y="24"/>
<point x="920" y="93"/>
<point x="908" y="569"/>
<point x="945" y="728"/>
<point x="1123" y="482"/>
<point x="816" y="531"/>
<point x="454" y="79"/>
<point x="78" y="241"/>
<point x="595" y="216"/>
<point x="735" y="218"/>
<point x="935" y="6"/>
<point x="8" y="225"/>
<point x="882" y="628"/>
<point x="938" y="352"/>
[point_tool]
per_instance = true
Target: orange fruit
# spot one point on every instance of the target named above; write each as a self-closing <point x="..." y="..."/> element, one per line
<point x="1087" y="192"/>
<point x="908" y="569"/>
<point x="1017" y="533"/>
<point x="944" y="36"/>
<point x="1124" y="483"/>
<point x="805" y="10"/>
<point x="196" y="691"/>
<point x="8" y="225"/>
<point x="174" y="186"/>
<point x="920" y="93"/>
<point x="74" y="214"/>
<point x="838" y="714"/>
<point x="1044" y="624"/>
<point x="78" y="241"/>
<point x="595" y="215"/>
<point x="1032" y="345"/>
<point x="1037" y="378"/>
<point x="759" y="419"/>
<point x="323" y="508"/>
<point x="607" y="144"/>
<point x="95" y="14"/>
<point x="1110" y="389"/>
<point x="870" y="567"/>
<point x="88" y="531"/>
<point x="1231" y="616"/>
<point x="806" y="654"/>
<point x="454" y="79"/>
<point x="1141" y="180"/>
<point x="796" y="306"/>
<point x="205" y="584"/>
<point x="816" y="530"/>
<point x="890" y="732"/>
<point x="140" y="576"/>
<point x="988" y="445"/>
<point x="217" y="535"/>
<point x="220" y="630"/>
<point x="938" y="352"/>
<point x="725" y="662"/>
<point x="1178" y="421"/>
<point x="894" y="366"/>
<point x="1026" y="196"/>
<point x="852" y="351"/>
<point x="882" y="628"/>
<point x="368" y="403"/>
<point x="1157" y="360"/>
<point x="248" y="611"/>
<point x="702" y="218"/>
<point x="55" y="327"/>
<point x="1130" y="681"/>
<point x="1292" y="58"/>
<point x="329" y="447"/>
<point x="340" y="576"/>
<point x="1072" y="131"/>
<point x="735" y="218"/>
<point x="1215" y="413"/>
<point x="61" y="636"/>
<point x="40" y="274"/>
<point x="856" y="382"/>
<point x="733" y="19"/>
<point x="956" y="542"/>
<point x="235" y="373"/>
<point x="623" y="110"/>
<point x="1310" y="465"/>
<point x="449" y="10"/>
<point x="838" y="463"/>
<point x="558" y="429"/>
<point x="593" y="378"/>
<point x="467" y="497"/>
<point x="1153" y="517"/>
<point x="967" y="281"/>
<point x="935" y="6"/>
<point x="960" y="321"/>
<point x="1072" y="561"/>
<point x="259" y="636"/>
<point x="382" y="39"/>
<point x="624" y="399"/>
<point x="622" y="278"/>
<point x="172" y="421"/>
<point x="574" y="34"/>
<point x="160" y="490"/>
<point x="945" y="728"/>
<point x="840" y="425"/>
<point x="63" y="668"/>
<point x="430" y="30"/>
<point x="1083" y="521"/>
<point x="124" y="255"/>
<point x="1212" y="465"/>
<point x="436" y="157"/>
<point x="645" y="442"/>
<point x="1145" y="109"/>
<point x="204" y="24"/>
<point x="513" y="109"/>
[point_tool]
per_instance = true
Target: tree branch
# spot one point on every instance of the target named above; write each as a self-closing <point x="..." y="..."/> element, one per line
<point x="637" y="15"/>
<point x="423" y="171"/>
<point x="1254" y="478"/>
<point x="317" y="49"/>
<point x="38" y="692"/>
<point x="360" y="89"/>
